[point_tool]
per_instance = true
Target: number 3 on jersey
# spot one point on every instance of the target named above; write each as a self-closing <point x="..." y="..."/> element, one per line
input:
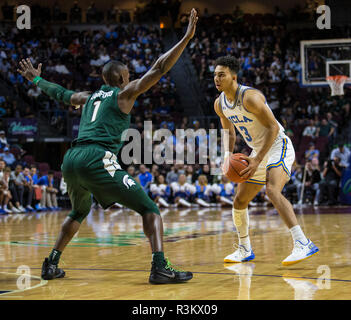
<point x="96" y="105"/>
<point x="247" y="135"/>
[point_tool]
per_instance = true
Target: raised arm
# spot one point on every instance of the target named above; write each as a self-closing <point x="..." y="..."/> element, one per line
<point x="53" y="90"/>
<point x="163" y="64"/>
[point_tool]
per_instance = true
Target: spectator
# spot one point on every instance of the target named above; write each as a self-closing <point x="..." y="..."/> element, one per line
<point x="34" y="92"/>
<point x="189" y="170"/>
<point x="329" y="185"/>
<point x="8" y="157"/>
<point x="160" y="192"/>
<point x="312" y="179"/>
<point x="6" y="196"/>
<point x="224" y="191"/>
<point x="325" y="129"/>
<point x="3" y="140"/>
<point x="76" y="13"/>
<point x="343" y="153"/>
<point x="48" y="182"/>
<point x="310" y="130"/>
<point x="2" y="168"/>
<point x="203" y="192"/>
<point x="131" y="171"/>
<point x="92" y="13"/>
<point x="28" y="189"/>
<point x="145" y="178"/>
<point x="172" y="175"/>
<point x="16" y="186"/>
<point x="63" y="186"/>
<point x="182" y="191"/>
<point x="39" y="191"/>
<point x="312" y="152"/>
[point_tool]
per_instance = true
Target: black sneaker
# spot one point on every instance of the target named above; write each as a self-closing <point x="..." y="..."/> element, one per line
<point x="168" y="274"/>
<point x="50" y="271"/>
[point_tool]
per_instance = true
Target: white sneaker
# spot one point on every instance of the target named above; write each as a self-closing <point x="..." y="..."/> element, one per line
<point x="15" y="210"/>
<point x="7" y="210"/>
<point x="300" y="252"/>
<point x="21" y="209"/>
<point x="240" y="255"/>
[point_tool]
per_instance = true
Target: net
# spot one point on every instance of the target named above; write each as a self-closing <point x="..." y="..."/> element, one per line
<point x="336" y="84"/>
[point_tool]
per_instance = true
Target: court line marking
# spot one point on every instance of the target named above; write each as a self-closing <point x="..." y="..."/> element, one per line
<point x="201" y="272"/>
<point x="40" y="284"/>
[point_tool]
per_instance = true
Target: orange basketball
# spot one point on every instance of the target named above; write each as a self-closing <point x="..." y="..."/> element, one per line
<point x="236" y="165"/>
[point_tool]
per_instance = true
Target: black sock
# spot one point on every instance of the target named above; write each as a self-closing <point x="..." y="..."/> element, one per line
<point x="159" y="258"/>
<point x="55" y="256"/>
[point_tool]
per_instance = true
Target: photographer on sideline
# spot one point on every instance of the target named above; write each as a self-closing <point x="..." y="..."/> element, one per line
<point x="331" y="179"/>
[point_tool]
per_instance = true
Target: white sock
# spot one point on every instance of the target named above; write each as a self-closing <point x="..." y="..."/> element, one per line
<point x="245" y="242"/>
<point x="163" y="202"/>
<point x="184" y="202"/>
<point x="202" y="203"/>
<point x="298" y="234"/>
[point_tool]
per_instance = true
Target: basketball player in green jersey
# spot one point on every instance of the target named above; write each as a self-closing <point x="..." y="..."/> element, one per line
<point x="90" y="166"/>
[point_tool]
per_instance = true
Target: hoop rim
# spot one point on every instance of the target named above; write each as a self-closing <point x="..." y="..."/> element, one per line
<point x="337" y="78"/>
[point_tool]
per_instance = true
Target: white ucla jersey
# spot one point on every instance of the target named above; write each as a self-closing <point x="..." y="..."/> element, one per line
<point x="246" y="122"/>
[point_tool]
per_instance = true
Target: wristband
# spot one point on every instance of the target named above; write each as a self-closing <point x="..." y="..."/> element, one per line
<point x="36" y="79"/>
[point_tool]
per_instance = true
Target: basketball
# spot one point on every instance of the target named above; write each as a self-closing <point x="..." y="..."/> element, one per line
<point x="236" y="165"/>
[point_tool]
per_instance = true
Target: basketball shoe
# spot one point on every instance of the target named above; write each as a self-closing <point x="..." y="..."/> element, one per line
<point x="168" y="274"/>
<point x="241" y="254"/>
<point x="300" y="252"/>
<point x="50" y="271"/>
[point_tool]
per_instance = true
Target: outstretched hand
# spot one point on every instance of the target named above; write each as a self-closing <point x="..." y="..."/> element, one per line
<point x="27" y="70"/>
<point x="192" y="24"/>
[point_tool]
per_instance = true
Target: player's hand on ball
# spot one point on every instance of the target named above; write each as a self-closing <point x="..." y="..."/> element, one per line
<point x="27" y="70"/>
<point x="192" y="24"/>
<point x="248" y="172"/>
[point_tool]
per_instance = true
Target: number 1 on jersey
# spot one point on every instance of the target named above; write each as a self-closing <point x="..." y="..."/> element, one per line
<point x="96" y="108"/>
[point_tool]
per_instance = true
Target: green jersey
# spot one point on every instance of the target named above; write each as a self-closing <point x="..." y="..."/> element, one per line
<point x="102" y="121"/>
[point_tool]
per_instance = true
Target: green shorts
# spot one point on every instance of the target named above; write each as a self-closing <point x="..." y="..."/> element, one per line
<point x="92" y="170"/>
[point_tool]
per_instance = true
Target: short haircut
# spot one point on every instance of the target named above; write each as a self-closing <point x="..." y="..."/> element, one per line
<point x="112" y="69"/>
<point x="51" y="172"/>
<point x="228" y="61"/>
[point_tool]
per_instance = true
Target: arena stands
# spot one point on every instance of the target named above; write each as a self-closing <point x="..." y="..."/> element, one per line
<point x="73" y="57"/>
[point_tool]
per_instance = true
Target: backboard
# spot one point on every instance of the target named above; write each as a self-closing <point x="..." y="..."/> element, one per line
<point x="323" y="58"/>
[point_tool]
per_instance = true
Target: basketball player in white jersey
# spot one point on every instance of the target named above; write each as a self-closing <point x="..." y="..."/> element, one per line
<point x="269" y="163"/>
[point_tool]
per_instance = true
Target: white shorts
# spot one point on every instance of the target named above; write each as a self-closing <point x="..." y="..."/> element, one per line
<point x="282" y="153"/>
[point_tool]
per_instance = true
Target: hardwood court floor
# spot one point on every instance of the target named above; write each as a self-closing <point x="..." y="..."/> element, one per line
<point x="109" y="258"/>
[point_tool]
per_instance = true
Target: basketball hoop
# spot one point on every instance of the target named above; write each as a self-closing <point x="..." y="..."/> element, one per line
<point x="337" y="84"/>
